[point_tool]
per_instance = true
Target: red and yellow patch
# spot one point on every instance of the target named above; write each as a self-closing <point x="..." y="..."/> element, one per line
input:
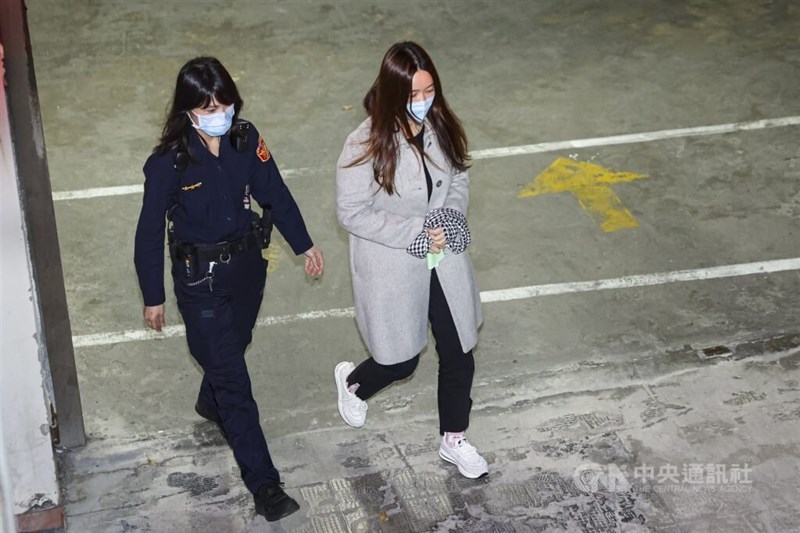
<point x="262" y="151"/>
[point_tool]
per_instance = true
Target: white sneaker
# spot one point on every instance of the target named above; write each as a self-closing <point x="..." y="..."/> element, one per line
<point x="352" y="408"/>
<point x="465" y="457"/>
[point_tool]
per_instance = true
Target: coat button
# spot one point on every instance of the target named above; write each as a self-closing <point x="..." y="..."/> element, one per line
<point x="439" y="183"/>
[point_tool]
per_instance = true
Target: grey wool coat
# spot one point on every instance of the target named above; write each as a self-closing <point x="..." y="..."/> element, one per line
<point x="391" y="288"/>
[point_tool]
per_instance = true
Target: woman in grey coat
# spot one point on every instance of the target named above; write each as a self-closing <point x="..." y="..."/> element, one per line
<point x="402" y="195"/>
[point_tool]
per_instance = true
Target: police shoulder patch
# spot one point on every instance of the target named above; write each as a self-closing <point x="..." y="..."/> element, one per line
<point x="262" y="151"/>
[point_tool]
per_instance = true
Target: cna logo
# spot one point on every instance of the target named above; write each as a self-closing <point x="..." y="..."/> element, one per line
<point x="593" y="477"/>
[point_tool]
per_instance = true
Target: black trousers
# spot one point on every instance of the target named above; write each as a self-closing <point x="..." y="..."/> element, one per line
<point x="219" y="318"/>
<point x="456" y="368"/>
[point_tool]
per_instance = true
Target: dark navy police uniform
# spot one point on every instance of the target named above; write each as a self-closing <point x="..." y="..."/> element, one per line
<point x="209" y="203"/>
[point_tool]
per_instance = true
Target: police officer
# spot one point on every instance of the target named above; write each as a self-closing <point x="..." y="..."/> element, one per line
<point x="199" y="182"/>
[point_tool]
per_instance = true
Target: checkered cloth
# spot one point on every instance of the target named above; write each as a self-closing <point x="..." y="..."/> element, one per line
<point x="455" y="230"/>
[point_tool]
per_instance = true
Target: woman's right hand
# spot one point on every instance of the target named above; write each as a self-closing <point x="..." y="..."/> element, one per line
<point x="438" y="240"/>
<point x="154" y="316"/>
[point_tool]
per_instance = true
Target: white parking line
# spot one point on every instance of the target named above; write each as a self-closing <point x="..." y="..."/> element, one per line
<point x="504" y="295"/>
<point x="632" y="138"/>
<point x="121" y="190"/>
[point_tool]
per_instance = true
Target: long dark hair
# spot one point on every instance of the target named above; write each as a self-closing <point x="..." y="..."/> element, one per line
<point x="199" y="81"/>
<point x="385" y="103"/>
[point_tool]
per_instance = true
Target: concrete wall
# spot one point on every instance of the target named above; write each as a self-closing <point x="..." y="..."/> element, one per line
<point x="24" y="421"/>
<point x="30" y="159"/>
<point x="6" y="511"/>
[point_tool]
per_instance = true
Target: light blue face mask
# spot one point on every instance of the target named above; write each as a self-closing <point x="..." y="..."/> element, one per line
<point x="418" y="110"/>
<point x="215" y="124"/>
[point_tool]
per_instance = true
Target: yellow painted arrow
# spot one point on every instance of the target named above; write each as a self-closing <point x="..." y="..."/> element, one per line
<point x="591" y="185"/>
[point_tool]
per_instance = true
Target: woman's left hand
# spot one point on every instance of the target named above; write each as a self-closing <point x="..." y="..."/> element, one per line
<point x="314" y="261"/>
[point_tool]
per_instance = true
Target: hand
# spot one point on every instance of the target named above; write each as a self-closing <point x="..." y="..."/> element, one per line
<point x="314" y="261"/>
<point x="438" y="240"/>
<point x="154" y="316"/>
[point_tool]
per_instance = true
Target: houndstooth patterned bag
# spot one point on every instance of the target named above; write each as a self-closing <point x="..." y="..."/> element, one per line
<point x="455" y="230"/>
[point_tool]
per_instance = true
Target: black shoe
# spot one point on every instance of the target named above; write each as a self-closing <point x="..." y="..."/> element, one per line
<point x="273" y="504"/>
<point x="209" y="415"/>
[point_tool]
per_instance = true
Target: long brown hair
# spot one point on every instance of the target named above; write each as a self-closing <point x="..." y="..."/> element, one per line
<point x="385" y="103"/>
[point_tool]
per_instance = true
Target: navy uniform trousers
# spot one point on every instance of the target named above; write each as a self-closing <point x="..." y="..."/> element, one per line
<point x="219" y="315"/>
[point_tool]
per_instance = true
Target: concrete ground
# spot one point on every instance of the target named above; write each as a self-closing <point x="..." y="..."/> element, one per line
<point x="664" y="399"/>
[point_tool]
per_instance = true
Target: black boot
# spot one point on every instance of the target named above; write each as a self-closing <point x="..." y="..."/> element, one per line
<point x="273" y="504"/>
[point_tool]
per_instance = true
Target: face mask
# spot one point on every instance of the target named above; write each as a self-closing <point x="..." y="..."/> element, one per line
<point x="418" y="110"/>
<point x="215" y="124"/>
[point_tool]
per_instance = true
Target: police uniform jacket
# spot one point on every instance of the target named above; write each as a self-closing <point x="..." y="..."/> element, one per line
<point x="211" y="203"/>
<point x="391" y="288"/>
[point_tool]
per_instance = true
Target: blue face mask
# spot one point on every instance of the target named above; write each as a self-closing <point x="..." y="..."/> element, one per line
<point x="215" y="124"/>
<point x="418" y="110"/>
